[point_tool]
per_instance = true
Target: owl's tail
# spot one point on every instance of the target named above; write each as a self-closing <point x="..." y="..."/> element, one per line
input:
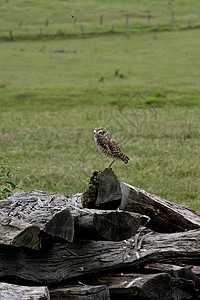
<point x="124" y="158"/>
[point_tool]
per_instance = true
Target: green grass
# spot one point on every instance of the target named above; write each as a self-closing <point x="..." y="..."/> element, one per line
<point x="144" y="90"/>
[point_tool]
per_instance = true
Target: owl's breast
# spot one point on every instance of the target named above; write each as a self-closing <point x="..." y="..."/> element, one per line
<point x="103" y="146"/>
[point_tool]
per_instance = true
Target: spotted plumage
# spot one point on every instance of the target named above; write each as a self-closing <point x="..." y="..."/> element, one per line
<point x="108" y="146"/>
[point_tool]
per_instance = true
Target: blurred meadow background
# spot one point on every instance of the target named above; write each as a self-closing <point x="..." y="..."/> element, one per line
<point x="133" y="67"/>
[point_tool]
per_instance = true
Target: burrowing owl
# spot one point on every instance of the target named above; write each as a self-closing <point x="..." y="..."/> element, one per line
<point x="109" y="147"/>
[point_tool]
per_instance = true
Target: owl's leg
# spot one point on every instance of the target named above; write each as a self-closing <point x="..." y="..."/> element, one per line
<point x="111" y="163"/>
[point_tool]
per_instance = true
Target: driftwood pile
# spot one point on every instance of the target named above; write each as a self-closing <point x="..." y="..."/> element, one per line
<point x="114" y="241"/>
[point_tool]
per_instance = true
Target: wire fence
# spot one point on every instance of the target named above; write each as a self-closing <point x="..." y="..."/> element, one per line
<point x="77" y="30"/>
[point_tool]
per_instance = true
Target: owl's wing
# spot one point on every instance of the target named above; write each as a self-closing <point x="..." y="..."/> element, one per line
<point x="104" y="145"/>
<point x="114" y="147"/>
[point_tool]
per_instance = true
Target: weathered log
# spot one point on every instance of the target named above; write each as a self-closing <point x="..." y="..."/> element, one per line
<point x="103" y="191"/>
<point x="80" y="292"/>
<point x="182" y="270"/>
<point x="53" y="220"/>
<point x="165" y="216"/>
<point x="195" y="270"/>
<point x="47" y="199"/>
<point x="184" y="283"/>
<point x="18" y="233"/>
<point x="64" y="261"/>
<point x="63" y="219"/>
<point x="137" y="286"/>
<point x="109" y="225"/>
<point x="16" y="292"/>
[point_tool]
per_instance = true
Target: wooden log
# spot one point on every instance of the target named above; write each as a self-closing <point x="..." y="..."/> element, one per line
<point x="184" y="289"/>
<point x="137" y="286"/>
<point x="195" y="270"/>
<point x="182" y="270"/>
<point x="184" y="283"/>
<point x="50" y="199"/>
<point x="59" y="262"/>
<point x="18" y="233"/>
<point x="53" y="220"/>
<point x="103" y="191"/>
<point x="109" y="225"/>
<point x="60" y="218"/>
<point x="16" y="292"/>
<point x="80" y="292"/>
<point x="165" y="216"/>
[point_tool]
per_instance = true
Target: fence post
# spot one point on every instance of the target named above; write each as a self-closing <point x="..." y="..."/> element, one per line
<point x="82" y="31"/>
<point x="101" y="20"/>
<point x="47" y="22"/>
<point x="149" y="16"/>
<point x="127" y="27"/>
<point x="40" y="33"/>
<point x="97" y="31"/>
<point x="127" y="20"/>
<point x="20" y="24"/>
<point x="11" y="35"/>
<point x="172" y="17"/>
<point x="27" y="33"/>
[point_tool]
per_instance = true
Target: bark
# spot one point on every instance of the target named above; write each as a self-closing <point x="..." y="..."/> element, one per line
<point x="45" y="199"/>
<point x="63" y="261"/>
<point x="165" y="216"/>
<point x="18" y="233"/>
<point x="103" y="191"/>
<point x="16" y="292"/>
<point x="81" y="292"/>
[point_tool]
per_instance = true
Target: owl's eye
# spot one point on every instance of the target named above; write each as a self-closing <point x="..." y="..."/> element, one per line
<point x="100" y="132"/>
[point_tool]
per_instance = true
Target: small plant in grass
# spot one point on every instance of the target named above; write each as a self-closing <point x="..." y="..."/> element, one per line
<point x="7" y="182"/>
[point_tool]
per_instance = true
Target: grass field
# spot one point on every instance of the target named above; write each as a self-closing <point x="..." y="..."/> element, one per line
<point x="145" y="90"/>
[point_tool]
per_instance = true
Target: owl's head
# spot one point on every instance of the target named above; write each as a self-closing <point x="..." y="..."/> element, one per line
<point x="100" y="132"/>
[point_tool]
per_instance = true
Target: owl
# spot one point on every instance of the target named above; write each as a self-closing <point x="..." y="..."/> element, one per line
<point x="108" y="146"/>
